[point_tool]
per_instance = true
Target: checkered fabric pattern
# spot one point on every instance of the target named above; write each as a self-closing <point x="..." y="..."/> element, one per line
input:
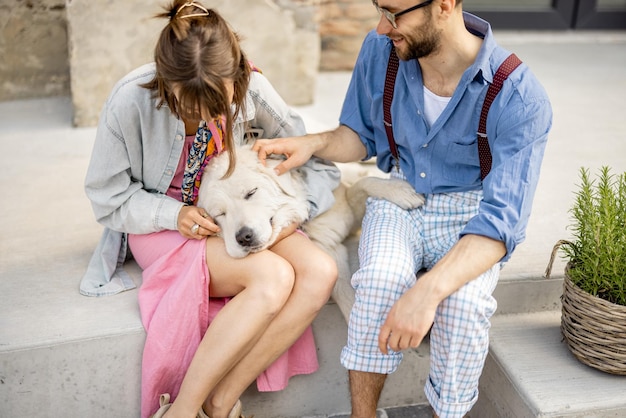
<point x="395" y="244"/>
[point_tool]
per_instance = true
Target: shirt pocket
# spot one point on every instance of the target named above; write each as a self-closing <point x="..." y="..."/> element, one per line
<point x="461" y="165"/>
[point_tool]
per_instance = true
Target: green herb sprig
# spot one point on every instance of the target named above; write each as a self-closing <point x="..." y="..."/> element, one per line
<point x="597" y="252"/>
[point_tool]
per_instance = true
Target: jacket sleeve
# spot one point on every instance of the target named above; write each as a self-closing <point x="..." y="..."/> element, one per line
<point x="115" y="182"/>
<point x="276" y="119"/>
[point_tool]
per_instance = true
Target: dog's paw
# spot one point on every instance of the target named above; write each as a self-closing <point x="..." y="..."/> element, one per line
<point x="404" y="195"/>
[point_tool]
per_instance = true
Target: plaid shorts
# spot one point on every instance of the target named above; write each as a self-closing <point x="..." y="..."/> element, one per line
<point x="395" y="244"/>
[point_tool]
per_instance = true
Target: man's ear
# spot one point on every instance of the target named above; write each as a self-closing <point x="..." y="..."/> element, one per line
<point x="444" y="8"/>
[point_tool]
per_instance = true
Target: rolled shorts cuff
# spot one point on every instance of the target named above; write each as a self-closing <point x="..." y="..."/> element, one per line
<point x="447" y="409"/>
<point x="381" y="363"/>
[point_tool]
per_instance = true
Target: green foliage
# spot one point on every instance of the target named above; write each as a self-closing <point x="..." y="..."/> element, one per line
<point x="597" y="253"/>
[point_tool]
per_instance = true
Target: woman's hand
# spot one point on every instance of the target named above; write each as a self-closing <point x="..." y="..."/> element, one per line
<point x="195" y="223"/>
<point x="285" y="232"/>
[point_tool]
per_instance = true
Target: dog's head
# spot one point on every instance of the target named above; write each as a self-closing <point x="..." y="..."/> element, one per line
<point x="253" y="204"/>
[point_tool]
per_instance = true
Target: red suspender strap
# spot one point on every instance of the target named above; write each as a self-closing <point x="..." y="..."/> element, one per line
<point x="484" y="153"/>
<point x="390" y="81"/>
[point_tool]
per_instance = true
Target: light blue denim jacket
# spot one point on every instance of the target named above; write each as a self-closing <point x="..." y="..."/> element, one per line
<point x="135" y="156"/>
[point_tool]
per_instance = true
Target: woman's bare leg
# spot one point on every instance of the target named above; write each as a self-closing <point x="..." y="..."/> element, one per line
<point x="262" y="284"/>
<point x="316" y="273"/>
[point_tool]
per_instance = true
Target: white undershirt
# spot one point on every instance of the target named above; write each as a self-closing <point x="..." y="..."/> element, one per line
<point x="433" y="106"/>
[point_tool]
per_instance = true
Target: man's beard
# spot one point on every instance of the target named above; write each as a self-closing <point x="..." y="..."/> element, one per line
<point x="420" y="43"/>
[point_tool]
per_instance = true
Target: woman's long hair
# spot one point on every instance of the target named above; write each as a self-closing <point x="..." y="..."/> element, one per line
<point x="195" y="52"/>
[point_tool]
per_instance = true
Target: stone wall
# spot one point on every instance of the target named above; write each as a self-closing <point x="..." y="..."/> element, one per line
<point x="108" y="38"/>
<point x="42" y="42"/>
<point x="33" y="49"/>
<point x="46" y="43"/>
<point x="343" y="26"/>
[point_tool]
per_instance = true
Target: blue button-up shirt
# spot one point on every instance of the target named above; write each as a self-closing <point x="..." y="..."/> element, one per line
<point x="444" y="158"/>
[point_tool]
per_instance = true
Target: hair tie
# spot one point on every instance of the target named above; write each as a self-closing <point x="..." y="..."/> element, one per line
<point x="205" y="11"/>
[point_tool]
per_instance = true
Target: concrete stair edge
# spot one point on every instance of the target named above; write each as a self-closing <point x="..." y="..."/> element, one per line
<point x="41" y="380"/>
<point x="530" y="372"/>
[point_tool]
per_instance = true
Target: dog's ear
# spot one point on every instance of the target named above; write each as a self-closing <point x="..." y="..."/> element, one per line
<point x="286" y="182"/>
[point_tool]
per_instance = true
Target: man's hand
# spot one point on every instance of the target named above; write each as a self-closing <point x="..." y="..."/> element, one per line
<point x="411" y="317"/>
<point x="298" y="151"/>
<point x="409" y="320"/>
<point x="340" y="145"/>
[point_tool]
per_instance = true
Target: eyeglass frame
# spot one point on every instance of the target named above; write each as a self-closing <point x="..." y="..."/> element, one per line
<point x="391" y="17"/>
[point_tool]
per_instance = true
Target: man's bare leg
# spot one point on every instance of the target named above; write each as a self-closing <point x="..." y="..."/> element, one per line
<point x="365" y="390"/>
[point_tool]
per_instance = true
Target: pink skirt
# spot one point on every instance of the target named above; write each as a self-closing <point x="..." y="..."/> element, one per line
<point x="176" y="311"/>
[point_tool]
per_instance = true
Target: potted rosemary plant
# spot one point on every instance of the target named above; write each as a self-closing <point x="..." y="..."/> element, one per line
<point x="593" y="318"/>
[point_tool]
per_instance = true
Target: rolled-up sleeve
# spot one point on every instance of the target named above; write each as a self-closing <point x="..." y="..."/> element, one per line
<point x="519" y="140"/>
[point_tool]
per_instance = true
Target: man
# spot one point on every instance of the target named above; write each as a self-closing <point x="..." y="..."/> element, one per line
<point x="466" y="229"/>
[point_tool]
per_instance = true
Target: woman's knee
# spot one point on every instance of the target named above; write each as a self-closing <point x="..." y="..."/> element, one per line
<point x="274" y="283"/>
<point x="316" y="280"/>
<point x="325" y="275"/>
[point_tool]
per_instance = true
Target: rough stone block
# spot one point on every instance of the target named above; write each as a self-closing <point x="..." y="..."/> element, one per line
<point x="108" y="38"/>
<point x="33" y="49"/>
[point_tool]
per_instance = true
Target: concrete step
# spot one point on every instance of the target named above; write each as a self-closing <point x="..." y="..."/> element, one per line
<point x="65" y="354"/>
<point x="88" y="364"/>
<point x="82" y="356"/>
<point x="530" y="372"/>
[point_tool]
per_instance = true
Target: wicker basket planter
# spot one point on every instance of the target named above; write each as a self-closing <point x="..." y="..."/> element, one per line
<point x="593" y="320"/>
<point x="594" y="329"/>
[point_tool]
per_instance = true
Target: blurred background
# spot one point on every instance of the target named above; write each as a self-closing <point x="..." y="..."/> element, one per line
<point x="80" y="48"/>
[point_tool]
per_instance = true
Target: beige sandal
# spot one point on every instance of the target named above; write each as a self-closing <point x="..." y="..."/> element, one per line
<point x="234" y="413"/>
<point x="164" y="405"/>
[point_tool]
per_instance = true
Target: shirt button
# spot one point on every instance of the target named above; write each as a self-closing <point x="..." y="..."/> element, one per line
<point x="168" y="172"/>
<point x="422" y="175"/>
<point x="419" y="112"/>
<point x="179" y="137"/>
<point x="425" y="146"/>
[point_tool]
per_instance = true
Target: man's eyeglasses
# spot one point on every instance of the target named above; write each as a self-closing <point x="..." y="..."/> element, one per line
<point x="391" y="17"/>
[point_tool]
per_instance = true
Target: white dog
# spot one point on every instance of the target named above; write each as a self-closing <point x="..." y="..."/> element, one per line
<point x="253" y="204"/>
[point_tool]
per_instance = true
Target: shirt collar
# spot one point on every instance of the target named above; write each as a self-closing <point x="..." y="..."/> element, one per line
<point x="481" y="69"/>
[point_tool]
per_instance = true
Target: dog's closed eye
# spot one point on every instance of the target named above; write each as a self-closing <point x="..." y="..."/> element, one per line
<point x="250" y="193"/>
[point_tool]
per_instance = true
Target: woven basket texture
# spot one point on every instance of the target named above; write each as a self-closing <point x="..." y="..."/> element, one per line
<point x="594" y="329"/>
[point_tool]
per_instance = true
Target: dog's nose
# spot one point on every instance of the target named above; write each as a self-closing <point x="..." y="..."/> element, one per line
<point x="245" y="237"/>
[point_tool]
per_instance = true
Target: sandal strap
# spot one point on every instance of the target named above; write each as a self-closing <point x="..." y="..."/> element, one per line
<point x="164" y="405"/>
<point x="234" y="413"/>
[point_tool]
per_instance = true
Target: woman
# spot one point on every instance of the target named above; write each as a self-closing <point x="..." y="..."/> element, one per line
<point x="214" y="324"/>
